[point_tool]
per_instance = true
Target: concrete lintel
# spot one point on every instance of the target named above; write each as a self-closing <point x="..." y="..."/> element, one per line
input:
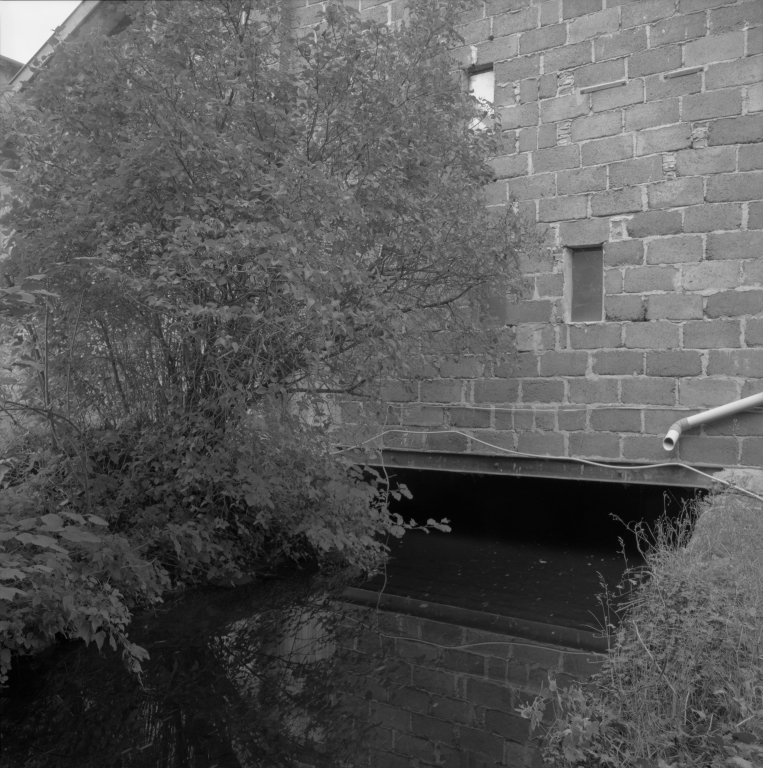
<point x="551" y="468"/>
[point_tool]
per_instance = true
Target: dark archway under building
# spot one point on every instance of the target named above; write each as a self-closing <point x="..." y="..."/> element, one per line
<point x="536" y="549"/>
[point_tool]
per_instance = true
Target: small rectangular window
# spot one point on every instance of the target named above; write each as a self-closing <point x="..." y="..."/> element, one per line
<point x="585" y="285"/>
<point x="482" y="87"/>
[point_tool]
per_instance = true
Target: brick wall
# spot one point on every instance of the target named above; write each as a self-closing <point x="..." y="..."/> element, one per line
<point x="665" y="170"/>
<point x="432" y="704"/>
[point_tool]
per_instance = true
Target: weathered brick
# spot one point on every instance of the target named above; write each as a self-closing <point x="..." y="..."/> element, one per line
<point x="567" y="57"/>
<point x="659" y="335"/>
<point x="519" y="365"/>
<point x="713" y="48"/>
<point x="560" y="208"/>
<point x="613" y="282"/>
<point x="664" y="59"/>
<point x="528" y="312"/>
<point x="434" y="681"/>
<point x="652" y="223"/>
<point x="452" y="710"/>
<point x="433" y="729"/>
<point x="585" y="232"/>
<point x="622" y="43"/>
<point x="572" y="8"/>
<point x="646" y="11"/>
<point x="602" y="335"/>
<point x="495" y="391"/>
<point x="747" y="363"/>
<point x="737" y="17"/>
<point x="733" y="187"/>
<point x="556" y="159"/>
<point x="651" y="114"/>
<point x="501" y="49"/>
<point x="752" y="273"/>
<point x="584" y="390"/>
<point x="549" y="285"/>
<point x="482" y="742"/>
<point x="542" y="39"/>
<point x="713" y="217"/>
<point x="677" y="30"/>
<point x="734" y="245"/>
<point x="623" y="96"/>
<point x="534" y="187"/>
<point x="704" y="106"/>
<point x="463" y="662"/>
<point x="616" y="201"/>
<point x="663" y="139"/>
<point x="755" y="97"/>
<point x="528" y="90"/>
<point x="596" y="126"/>
<point x="643" y="279"/>
<point x="608" y="150"/>
<point x="571" y="419"/>
<point x="423" y="416"/>
<point x="649" y="390"/>
<point x="623" y="252"/>
<point x="712" y="334"/>
<point x="593" y="25"/>
<point x="734" y="73"/>
<point x="441" y="391"/>
<point x="689" y="6"/>
<point x="550" y="12"/>
<point x="671" y="306"/>
<point x="509" y="726"/>
<point x="710" y="275"/>
<point x="546" y="136"/>
<point x="563" y="363"/>
<point x="754" y="41"/>
<point x="745" y="129"/>
<point x="390" y="717"/>
<point x="669" y="194"/>
<point x="447" y="442"/>
<point x="624" y="308"/>
<point x="519" y="116"/>
<point x="616" y="363"/>
<point x="658" y="89"/>
<point x="592" y="444"/>
<point x="657" y="421"/>
<point x="410" y="699"/>
<point x="755" y="216"/>
<point x="643" y="448"/>
<point x="474" y="32"/>
<point x="518" y="68"/>
<point x="517" y="21"/>
<point x="753" y="334"/>
<point x="616" y="420"/>
<point x="541" y="391"/>
<point x="495" y="194"/>
<point x="508" y="167"/>
<point x="415" y="747"/>
<point x="751" y="157"/>
<point x="493" y="7"/>
<point x="564" y="107"/>
<point x="640" y="170"/>
<point x="582" y="180"/>
<point x="600" y="72"/>
<point x="706" y="393"/>
<point x="469" y="418"/>
<point x="734" y="303"/>
<point x="752" y="452"/>
<point x="673" y="363"/>
<point x="701" y="449"/>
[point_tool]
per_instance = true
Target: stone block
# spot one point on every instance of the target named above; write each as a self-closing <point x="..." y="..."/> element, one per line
<point x="652" y="114"/>
<point x="447" y="443"/>
<point x="734" y="73"/>
<point x="567" y="57"/>
<point x="643" y="448"/>
<point x="734" y="304"/>
<point x="623" y="252"/>
<point x="640" y="170"/>
<point x="596" y="126"/>
<point x="584" y="232"/>
<point x="516" y="21"/>
<point x="705" y="106"/>
<point x="621" y="43"/>
<point x="564" y="107"/>
<point x="710" y="275"/>
<point x="519" y="116"/>
<point x="600" y="72"/>
<point x="593" y="445"/>
<point x="670" y="194"/>
<point x="496" y="391"/>
<point x="655" y="60"/>
<point x="663" y="139"/>
<point x="561" y="208"/>
<point x="624" y="308"/>
<point x="654" y="223"/>
<point x="556" y="158"/>
<point x="649" y="390"/>
<point x="673" y="363"/>
<point x="712" y="334"/>
<point x="646" y="11"/>
<point x="594" y="390"/>
<point x="563" y="364"/>
<point x="542" y="39"/>
<point x="618" y="363"/>
<point x="707" y="393"/>
<point x="671" y="306"/>
<point x="517" y="68"/>
<point x="745" y="363"/>
<point x="746" y="129"/>
<point x="533" y="187"/>
<point x="713" y="217"/>
<point x="593" y="25"/>
<point x="582" y="180"/>
<point x="712" y="48"/>
<point x="598" y="336"/>
<point x="541" y="391"/>
<point x="655" y="335"/>
<point x="622" y="96"/>
<point x="677" y="29"/>
<point x="751" y="157"/>
<point x="735" y="187"/>
<point x="741" y="16"/>
<point x="608" y="150"/>
<point x="734" y="245"/>
<point x="645" y="279"/>
<point x="509" y="167"/>
<point x="755" y="216"/>
<point x="616" y="420"/>
<point x="626" y="200"/>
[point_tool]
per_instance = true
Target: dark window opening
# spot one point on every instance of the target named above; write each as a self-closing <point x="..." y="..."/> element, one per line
<point x="532" y="549"/>
<point x="586" y="273"/>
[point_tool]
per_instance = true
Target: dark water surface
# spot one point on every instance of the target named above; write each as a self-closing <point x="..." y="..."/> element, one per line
<point x="543" y="550"/>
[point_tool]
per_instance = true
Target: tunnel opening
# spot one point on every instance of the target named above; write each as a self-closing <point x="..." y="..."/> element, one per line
<point x="542" y="550"/>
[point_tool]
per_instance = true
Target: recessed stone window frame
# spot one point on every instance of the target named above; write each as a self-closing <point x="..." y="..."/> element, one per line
<point x="584" y="284"/>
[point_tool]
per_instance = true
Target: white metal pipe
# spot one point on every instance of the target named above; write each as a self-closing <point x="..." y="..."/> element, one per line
<point x="729" y="409"/>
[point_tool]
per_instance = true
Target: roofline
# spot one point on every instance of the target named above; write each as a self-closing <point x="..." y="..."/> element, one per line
<point x="70" y="25"/>
<point x="11" y="61"/>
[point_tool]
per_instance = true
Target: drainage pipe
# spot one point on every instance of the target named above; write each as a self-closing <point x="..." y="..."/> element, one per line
<point x="674" y="433"/>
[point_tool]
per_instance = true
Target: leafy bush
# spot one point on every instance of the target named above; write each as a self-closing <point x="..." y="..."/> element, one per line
<point x="683" y="682"/>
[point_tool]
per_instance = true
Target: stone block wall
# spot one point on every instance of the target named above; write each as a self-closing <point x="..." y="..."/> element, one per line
<point x="446" y="695"/>
<point x="636" y="125"/>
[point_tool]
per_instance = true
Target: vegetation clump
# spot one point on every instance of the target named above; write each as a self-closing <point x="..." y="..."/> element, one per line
<point x="682" y="684"/>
